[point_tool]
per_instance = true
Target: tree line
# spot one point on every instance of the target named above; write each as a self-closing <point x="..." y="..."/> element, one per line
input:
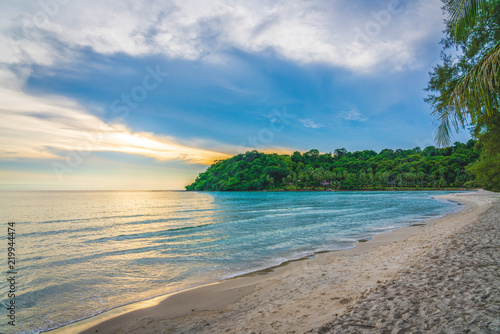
<point x="430" y="168"/>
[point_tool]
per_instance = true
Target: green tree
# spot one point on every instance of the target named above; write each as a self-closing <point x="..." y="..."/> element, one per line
<point x="297" y="157"/>
<point x="339" y="152"/>
<point x="431" y="167"/>
<point x="468" y="85"/>
<point x="487" y="168"/>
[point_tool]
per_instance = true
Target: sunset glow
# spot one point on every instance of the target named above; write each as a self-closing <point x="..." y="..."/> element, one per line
<point x="175" y="86"/>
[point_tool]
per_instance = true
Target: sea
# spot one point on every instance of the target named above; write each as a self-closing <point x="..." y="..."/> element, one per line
<point x="80" y="253"/>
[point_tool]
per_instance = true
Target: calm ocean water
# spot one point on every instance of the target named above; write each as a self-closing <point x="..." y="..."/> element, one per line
<point x="81" y="253"/>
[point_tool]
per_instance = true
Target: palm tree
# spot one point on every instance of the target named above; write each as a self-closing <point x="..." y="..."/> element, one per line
<point x="472" y="95"/>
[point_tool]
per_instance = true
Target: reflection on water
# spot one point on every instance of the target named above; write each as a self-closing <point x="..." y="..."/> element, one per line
<point x="80" y="253"/>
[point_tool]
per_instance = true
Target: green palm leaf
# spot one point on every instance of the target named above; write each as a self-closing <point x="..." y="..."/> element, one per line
<point x="464" y="15"/>
<point x="477" y="92"/>
<point x="472" y="97"/>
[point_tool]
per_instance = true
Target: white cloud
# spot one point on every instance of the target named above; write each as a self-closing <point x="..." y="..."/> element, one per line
<point x="309" y="123"/>
<point x="301" y="30"/>
<point x="353" y="115"/>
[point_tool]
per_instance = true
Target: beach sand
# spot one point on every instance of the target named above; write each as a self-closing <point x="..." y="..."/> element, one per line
<point x="440" y="276"/>
<point x="454" y="287"/>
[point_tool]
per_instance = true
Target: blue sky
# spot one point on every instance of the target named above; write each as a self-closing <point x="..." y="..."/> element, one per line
<point x="127" y="95"/>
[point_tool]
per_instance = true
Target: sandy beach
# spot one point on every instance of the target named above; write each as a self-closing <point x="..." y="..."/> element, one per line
<point x="438" y="276"/>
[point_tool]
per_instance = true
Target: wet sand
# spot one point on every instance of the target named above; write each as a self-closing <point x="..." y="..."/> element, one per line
<point x="314" y="295"/>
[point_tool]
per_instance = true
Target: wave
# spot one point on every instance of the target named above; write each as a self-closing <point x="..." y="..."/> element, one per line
<point x="163" y="220"/>
<point x="147" y="235"/>
<point x="78" y="219"/>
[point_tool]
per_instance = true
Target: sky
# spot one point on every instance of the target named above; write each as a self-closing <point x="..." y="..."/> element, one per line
<point x="145" y="95"/>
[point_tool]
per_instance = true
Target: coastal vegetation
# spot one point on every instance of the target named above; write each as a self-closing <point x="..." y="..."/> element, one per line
<point x="465" y="88"/>
<point x="464" y="93"/>
<point x="430" y="168"/>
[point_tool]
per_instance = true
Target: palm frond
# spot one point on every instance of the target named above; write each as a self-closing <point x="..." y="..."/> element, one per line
<point x="443" y="131"/>
<point x="446" y="115"/>
<point x="464" y="15"/>
<point x="477" y="92"/>
<point x="471" y="96"/>
<point x="474" y="96"/>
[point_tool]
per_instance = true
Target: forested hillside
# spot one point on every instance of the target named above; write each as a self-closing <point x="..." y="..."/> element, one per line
<point x="431" y="168"/>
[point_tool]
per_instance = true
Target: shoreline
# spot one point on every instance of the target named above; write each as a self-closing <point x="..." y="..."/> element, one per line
<point x="331" y="283"/>
<point x="337" y="190"/>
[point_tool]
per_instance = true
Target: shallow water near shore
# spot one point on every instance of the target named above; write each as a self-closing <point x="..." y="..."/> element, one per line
<point x="81" y="253"/>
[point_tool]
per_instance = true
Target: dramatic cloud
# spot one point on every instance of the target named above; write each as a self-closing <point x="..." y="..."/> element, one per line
<point x="51" y="127"/>
<point x="64" y="64"/>
<point x="387" y="33"/>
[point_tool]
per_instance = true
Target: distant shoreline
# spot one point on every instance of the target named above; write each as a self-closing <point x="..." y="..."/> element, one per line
<point x="337" y="190"/>
<point x="276" y="190"/>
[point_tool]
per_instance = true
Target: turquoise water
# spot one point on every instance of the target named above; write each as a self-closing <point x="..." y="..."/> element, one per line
<point x="81" y="253"/>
